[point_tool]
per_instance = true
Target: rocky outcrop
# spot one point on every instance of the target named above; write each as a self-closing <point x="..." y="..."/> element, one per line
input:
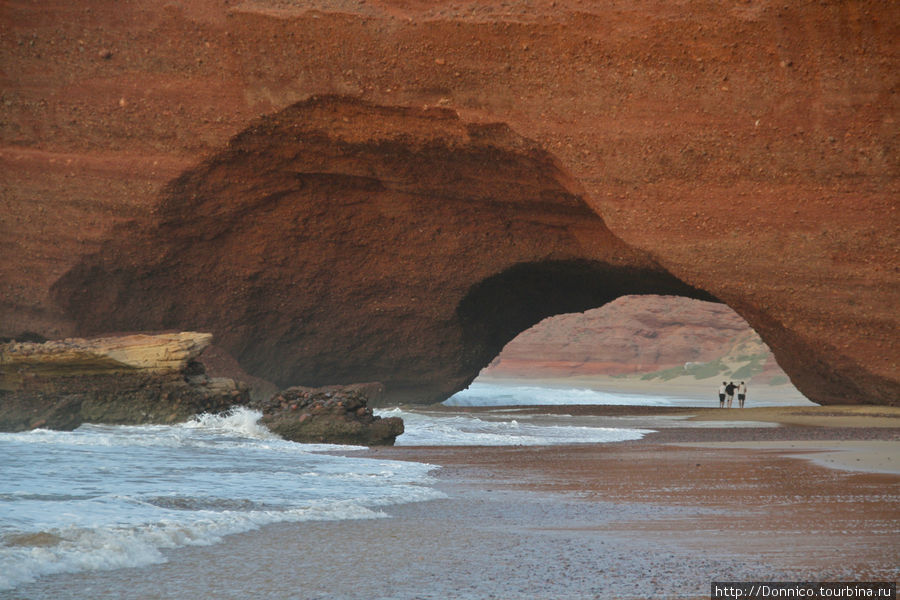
<point x="747" y="151"/>
<point x="334" y="414"/>
<point x="144" y="378"/>
<point x="130" y="380"/>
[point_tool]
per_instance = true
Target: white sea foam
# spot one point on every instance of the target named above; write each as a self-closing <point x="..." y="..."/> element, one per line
<point x="496" y="394"/>
<point x="423" y="428"/>
<point x="104" y="497"/>
<point x="239" y="420"/>
<point x="493" y="393"/>
<point x="106" y="548"/>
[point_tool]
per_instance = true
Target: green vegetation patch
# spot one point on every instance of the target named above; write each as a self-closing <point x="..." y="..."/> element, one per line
<point x="697" y="371"/>
<point x="707" y="370"/>
<point x="754" y="366"/>
<point x="665" y="374"/>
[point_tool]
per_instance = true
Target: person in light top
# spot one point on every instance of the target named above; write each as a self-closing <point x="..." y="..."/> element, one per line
<point x="742" y="394"/>
<point x="722" y="395"/>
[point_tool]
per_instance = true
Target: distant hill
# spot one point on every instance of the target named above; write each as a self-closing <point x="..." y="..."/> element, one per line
<point x="646" y="337"/>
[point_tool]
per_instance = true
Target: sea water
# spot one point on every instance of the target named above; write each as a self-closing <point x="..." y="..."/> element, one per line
<point x="489" y="393"/>
<point x="506" y="394"/>
<point x="106" y="497"/>
<point x="503" y="427"/>
<point x="427" y="428"/>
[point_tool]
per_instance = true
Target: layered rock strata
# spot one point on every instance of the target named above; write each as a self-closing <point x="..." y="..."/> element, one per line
<point x="108" y="355"/>
<point x="634" y="336"/>
<point x="334" y="414"/>
<point x="347" y="241"/>
<point x="134" y="379"/>
<point x="749" y="149"/>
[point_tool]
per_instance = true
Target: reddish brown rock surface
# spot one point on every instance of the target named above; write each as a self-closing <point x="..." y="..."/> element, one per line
<point x="339" y="241"/>
<point x="748" y="150"/>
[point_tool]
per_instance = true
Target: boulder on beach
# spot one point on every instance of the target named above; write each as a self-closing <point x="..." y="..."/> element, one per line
<point x="118" y="380"/>
<point x="333" y="414"/>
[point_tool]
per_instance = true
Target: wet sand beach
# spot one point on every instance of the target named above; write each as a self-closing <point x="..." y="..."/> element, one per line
<point x="659" y="517"/>
<point x="813" y="502"/>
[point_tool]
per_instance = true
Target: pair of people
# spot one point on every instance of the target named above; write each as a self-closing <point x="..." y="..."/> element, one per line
<point x="726" y="393"/>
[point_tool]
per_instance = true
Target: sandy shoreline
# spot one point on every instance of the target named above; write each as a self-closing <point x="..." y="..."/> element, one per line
<point x="817" y="497"/>
<point x="807" y="502"/>
<point x="659" y="517"/>
<point x="868" y="456"/>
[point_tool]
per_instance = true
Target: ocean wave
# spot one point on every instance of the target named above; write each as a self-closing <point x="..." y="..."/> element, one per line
<point x="76" y="549"/>
<point x="105" y="497"/>
<point x="238" y="427"/>
<point x="424" y="429"/>
<point x="239" y="420"/>
<point x="495" y="394"/>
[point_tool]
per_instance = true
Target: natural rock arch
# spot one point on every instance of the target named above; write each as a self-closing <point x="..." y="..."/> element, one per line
<point x="338" y="241"/>
<point x="497" y="309"/>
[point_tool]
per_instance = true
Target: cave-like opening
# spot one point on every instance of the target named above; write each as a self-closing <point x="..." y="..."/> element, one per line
<point x="501" y="307"/>
<point x="634" y="349"/>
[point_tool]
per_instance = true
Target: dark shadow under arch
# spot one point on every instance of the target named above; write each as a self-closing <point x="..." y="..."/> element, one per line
<point x="500" y="307"/>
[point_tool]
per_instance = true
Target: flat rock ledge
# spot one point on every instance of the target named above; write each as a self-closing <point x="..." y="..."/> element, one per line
<point x="334" y="415"/>
<point x="159" y="353"/>
<point x="123" y="380"/>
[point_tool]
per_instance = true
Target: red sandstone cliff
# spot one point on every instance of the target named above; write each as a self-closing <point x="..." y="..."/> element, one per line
<point x="339" y="241"/>
<point x="748" y="149"/>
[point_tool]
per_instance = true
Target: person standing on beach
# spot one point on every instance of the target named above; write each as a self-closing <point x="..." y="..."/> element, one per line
<point x="742" y="394"/>
<point x="729" y="392"/>
<point x="722" y="395"/>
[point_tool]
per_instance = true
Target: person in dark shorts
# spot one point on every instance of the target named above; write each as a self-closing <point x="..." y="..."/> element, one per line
<point x="742" y="394"/>
<point x="722" y="395"/>
<point x="729" y="393"/>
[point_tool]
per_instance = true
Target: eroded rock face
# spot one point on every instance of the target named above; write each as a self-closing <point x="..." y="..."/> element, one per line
<point x="129" y="380"/>
<point x="748" y="149"/>
<point x="342" y="241"/>
<point x="334" y="415"/>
